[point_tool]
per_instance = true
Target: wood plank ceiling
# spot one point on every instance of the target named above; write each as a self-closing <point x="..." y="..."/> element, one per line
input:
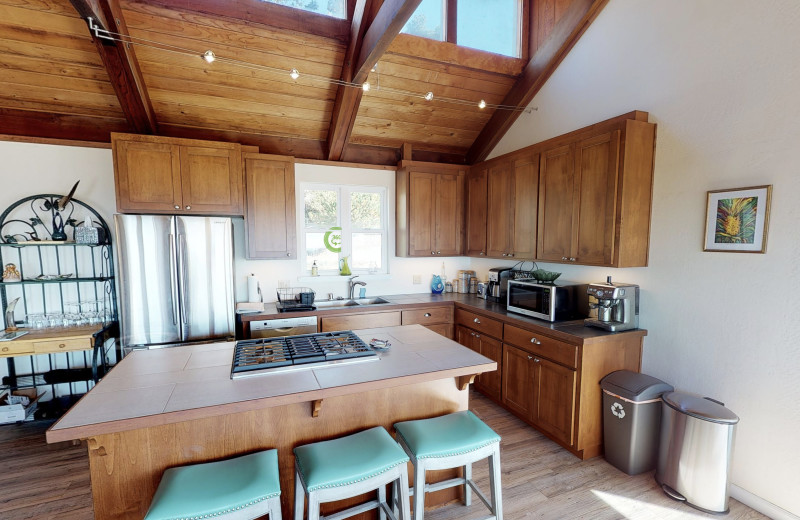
<point x="56" y="82"/>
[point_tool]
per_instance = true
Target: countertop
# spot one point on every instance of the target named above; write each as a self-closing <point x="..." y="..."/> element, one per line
<point x="572" y="331"/>
<point x="153" y="387"/>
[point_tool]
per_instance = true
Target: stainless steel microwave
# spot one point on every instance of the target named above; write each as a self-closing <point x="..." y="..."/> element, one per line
<point x="548" y="301"/>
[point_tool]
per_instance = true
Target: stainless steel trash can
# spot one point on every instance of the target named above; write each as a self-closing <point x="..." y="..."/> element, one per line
<point x="695" y="452"/>
<point x="631" y="419"/>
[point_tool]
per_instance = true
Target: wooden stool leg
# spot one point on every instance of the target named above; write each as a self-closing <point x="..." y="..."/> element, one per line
<point x="494" y="481"/>
<point x="381" y="499"/>
<point x="403" y="495"/>
<point x="299" y="497"/>
<point x="419" y="490"/>
<point x="467" y="489"/>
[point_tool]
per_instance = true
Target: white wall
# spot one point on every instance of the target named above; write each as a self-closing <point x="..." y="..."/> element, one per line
<point x="721" y="80"/>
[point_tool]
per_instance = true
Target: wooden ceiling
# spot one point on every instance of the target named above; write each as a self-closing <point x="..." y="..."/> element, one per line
<point x="58" y="82"/>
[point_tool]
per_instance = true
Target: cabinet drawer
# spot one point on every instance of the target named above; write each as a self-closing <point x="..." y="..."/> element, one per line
<point x="61" y="345"/>
<point x="10" y="348"/>
<point x="356" y="321"/>
<point x="480" y="323"/>
<point x="427" y="316"/>
<point x="544" y="346"/>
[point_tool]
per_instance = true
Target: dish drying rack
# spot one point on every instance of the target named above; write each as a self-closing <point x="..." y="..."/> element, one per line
<point x="296" y="299"/>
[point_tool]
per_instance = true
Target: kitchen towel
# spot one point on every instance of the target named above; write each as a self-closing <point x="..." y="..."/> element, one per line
<point x="253" y="290"/>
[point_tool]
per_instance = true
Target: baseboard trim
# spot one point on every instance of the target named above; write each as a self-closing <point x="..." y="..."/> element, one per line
<point x="759" y="504"/>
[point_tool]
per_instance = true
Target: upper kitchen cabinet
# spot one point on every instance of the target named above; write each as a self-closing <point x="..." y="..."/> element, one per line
<point x="476" y="211"/>
<point x="595" y="195"/>
<point x="513" y="185"/>
<point x="430" y="209"/>
<point x="271" y="226"/>
<point x="178" y="176"/>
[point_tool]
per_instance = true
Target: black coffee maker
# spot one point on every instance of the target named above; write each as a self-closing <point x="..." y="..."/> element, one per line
<point x="497" y="291"/>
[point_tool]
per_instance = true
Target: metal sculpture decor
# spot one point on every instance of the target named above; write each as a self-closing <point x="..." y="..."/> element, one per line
<point x="51" y="218"/>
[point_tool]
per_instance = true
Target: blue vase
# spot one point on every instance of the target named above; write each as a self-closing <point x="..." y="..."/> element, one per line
<point x="436" y="284"/>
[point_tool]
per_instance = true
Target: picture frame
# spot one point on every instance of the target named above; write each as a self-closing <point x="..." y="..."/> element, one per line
<point x="737" y="220"/>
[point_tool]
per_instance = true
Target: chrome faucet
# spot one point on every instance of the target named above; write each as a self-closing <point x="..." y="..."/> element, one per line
<point x="351" y="286"/>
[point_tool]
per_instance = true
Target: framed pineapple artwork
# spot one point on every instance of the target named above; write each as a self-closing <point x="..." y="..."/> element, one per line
<point x="737" y="220"/>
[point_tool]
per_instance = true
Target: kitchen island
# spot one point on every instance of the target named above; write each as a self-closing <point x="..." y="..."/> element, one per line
<point x="162" y="408"/>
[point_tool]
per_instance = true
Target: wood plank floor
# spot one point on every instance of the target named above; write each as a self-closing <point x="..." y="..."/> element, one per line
<point x="540" y="480"/>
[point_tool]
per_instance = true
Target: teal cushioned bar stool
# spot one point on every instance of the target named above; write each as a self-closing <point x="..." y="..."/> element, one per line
<point x="452" y="441"/>
<point x="349" y="466"/>
<point x="243" y="488"/>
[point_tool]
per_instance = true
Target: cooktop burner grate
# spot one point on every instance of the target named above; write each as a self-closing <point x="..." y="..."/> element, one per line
<point x="288" y="351"/>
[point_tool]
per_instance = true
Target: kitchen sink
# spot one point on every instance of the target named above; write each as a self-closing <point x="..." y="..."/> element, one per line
<point x="371" y="301"/>
<point x="328" y="304"/>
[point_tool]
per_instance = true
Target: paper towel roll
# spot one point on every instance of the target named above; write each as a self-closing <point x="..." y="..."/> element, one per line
<point x="253" y="291"/>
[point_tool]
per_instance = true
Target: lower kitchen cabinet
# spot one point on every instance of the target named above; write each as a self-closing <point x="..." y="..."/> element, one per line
<point x="488" y="382"/>
<point x="365" y="320"/>
<point x="438" y="319"/>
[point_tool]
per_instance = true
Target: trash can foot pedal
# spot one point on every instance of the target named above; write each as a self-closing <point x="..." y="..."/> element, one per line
<point x="672" y="493"/>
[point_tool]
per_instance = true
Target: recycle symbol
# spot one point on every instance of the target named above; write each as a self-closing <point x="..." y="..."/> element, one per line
<point x="618" y="410"/>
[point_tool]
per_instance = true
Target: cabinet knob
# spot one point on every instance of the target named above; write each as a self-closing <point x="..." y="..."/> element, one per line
<point x="476" y="320"/>
<point x="535" y="341"/>
<point x="530" y="357"/>
<point x="571" y="259"/>
<point x="536" y="360"/>
<point x="483" y="253"/>
<point x="563" y="257"/>
<point x="504" y="254"/>
<point x="477" y="335"/>
<point x="188" y="207"/>
<point x="6" y="349"/>
<point x="471" y="333"/>
<point x="177" y="207"/>
<point x="288" y="254"/>
<point x="433" y="252"/>
<point x="427" y="314"/>
<point x="511" y="255"/>
<point x="438" y="252"/>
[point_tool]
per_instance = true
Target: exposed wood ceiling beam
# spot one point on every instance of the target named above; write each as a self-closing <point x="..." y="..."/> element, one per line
<point x="120" y="63"/>
<point x="266" y="13"/>
<point x="59" y="126"/>
<point x="568" y="30"/>
<point x="363" y="52"/>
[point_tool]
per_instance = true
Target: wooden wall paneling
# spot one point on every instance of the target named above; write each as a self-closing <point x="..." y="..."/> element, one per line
<point x="476" y="208"/>
<point x="212" y="180"/>
<point x="596" y="171"/>
<point x="556" y="196"/>
<point x="271" y="228"/>
<point x="565" y="34"/>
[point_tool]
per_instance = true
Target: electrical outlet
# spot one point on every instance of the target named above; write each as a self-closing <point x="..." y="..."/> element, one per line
<point x="417" y="279"/>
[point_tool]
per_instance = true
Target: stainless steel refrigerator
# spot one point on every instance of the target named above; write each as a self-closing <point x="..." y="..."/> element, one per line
<point x="175" y="279"/>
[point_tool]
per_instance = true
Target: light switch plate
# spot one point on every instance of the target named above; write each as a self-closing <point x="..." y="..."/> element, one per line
<point x="417" y="279"/>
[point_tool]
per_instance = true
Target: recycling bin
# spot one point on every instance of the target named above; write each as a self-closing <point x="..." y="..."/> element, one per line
<point x="695" y="452"/>
<point x="632" y="419"/>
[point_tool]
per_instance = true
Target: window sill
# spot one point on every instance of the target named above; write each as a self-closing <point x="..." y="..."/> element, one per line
<point x="335" y="277"/>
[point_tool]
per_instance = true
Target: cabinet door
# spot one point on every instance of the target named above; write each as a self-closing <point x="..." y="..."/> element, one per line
<point x="211" y="180"/>
<point x="596" y="166"/>
<point x="556" y="203"/>
<point x="518" y="381"/>
<point x="476" y="212"/>
<point x="500" y="220"/>
<point x="555" y="403"/>
<point x="525" y="183"/>
<point x="372" y="320"/>
<point x="271" y="226"/>
<point x="465" y="337"/>
<point x="489" y="382"/>
<point x="148" y="176"/>
<point x="449" y="217"/>
<point x="421" y="214"/>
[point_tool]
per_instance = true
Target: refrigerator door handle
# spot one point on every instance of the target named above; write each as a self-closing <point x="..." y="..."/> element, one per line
<point x="172" y="281"/>
<point x="182" y="274"/>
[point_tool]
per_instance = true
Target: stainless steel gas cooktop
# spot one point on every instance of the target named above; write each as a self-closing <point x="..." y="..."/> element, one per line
<point x="283" y="354"/>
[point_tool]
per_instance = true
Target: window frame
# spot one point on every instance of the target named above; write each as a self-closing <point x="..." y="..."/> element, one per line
<point x="343" y="207"/>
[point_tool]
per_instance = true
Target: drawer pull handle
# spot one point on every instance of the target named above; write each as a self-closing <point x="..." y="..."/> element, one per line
<point x="536" y="360"/>
<point x="62" y="345"/>
<point x="535" y="341"/>
<point x="563" y="258"/>
<point x="188" y="207"/>
<point x="476" y="320"/>
<point x="177" y="207"/>
<point x="504" y="254"/>
<point x="427" y="314"/>
<point x="477" y="335"/>
<point x="530" y="357"/>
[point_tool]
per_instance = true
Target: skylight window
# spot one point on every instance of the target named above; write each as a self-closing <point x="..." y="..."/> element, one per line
<point x="335" y="8"/>
<point x="486" y="25"/>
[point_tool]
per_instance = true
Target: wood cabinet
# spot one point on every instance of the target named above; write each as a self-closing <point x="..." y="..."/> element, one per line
<point x="438" y="319"/>
<point x="271" y="224"/>
<point x="488" y="382"/>
<point x="178" y="176"/>
<point x="595" y="196"/>
<point x="430" y="209"/>
<point x="365" y="320"/>
<point x="476" y="211"/>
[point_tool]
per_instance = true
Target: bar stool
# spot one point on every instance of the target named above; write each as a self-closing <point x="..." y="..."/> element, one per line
<point x="243" y="488"/>
<point x="451" y="441"/>
<point x="349" y="466"/>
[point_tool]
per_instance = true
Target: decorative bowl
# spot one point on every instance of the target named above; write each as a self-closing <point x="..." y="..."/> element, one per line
<point x="545" y="276"/>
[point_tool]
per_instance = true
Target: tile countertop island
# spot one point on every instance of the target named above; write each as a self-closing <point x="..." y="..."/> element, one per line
<point x="162" y="408"/>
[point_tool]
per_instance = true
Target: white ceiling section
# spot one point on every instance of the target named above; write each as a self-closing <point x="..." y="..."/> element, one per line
<point x="721" y="80"/>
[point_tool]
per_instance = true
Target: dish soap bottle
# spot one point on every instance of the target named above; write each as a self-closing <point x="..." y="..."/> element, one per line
<point x="314" y="269"/>
<point x="344" y="269"/>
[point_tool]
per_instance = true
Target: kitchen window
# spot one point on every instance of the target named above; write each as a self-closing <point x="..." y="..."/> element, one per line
<point x="487" y="25"/>
<point x="334" y="8"/>
<point x="341" y="221"/>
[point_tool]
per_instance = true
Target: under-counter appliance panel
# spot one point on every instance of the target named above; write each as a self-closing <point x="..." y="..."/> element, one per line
<point x="267" y="355"/>
<point x="283" y="327"/>
<point x="558" y="301"/>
